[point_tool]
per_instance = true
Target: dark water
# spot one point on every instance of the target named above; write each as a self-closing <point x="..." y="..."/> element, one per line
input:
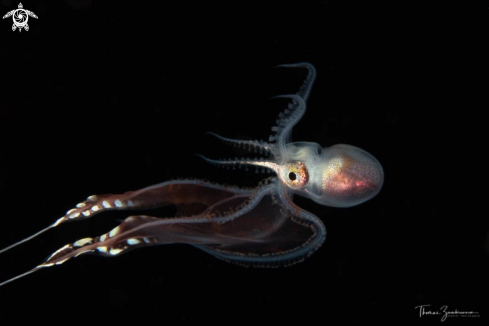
<point x="104" y="97"/>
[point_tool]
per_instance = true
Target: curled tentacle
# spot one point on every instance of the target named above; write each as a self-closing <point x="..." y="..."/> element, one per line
<point x="285" y="122"/>
<point x="256" y="146"/>
<point x="306" y="87"/>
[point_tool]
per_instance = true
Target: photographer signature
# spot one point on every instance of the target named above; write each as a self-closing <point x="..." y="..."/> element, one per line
<point x="444" y="312"/>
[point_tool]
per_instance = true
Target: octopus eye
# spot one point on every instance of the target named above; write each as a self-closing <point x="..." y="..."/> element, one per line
<point x="295" y="175"/>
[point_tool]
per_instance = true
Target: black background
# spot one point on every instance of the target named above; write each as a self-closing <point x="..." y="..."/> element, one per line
<point x="109" y="96"/>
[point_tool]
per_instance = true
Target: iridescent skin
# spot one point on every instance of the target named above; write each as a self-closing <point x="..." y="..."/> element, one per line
<point x="258" y="227"/>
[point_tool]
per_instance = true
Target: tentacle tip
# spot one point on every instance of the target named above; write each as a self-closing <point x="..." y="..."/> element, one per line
<point x="207" y="160"/>
<point x="31" y="237"/>
<point x="293" y="65"/>
<point x="284" y="65"/>
<point x="276" y="97"/>
<point x="213" y="134"/>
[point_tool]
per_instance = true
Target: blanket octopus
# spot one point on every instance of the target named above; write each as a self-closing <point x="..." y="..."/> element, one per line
<point x="252" y="227"/>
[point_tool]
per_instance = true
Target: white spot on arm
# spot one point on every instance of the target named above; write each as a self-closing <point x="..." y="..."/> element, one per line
<point x="82" y="242"/>
<point x="106" y="204"/>
<point x="59" y="221"/>
<point x="132" y="241"/>
<point x="114" y="232"/>
<point x="118" y="203"/>
<point x="59" y="250"/>
<point x="102" y="249"/>
<point x="62" y="261"/>
<point x="74" y="215"/>
<point x="115" y="251"/>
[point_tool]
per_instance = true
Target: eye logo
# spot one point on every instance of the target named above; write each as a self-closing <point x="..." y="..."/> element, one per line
<point x="20" y="17"/>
